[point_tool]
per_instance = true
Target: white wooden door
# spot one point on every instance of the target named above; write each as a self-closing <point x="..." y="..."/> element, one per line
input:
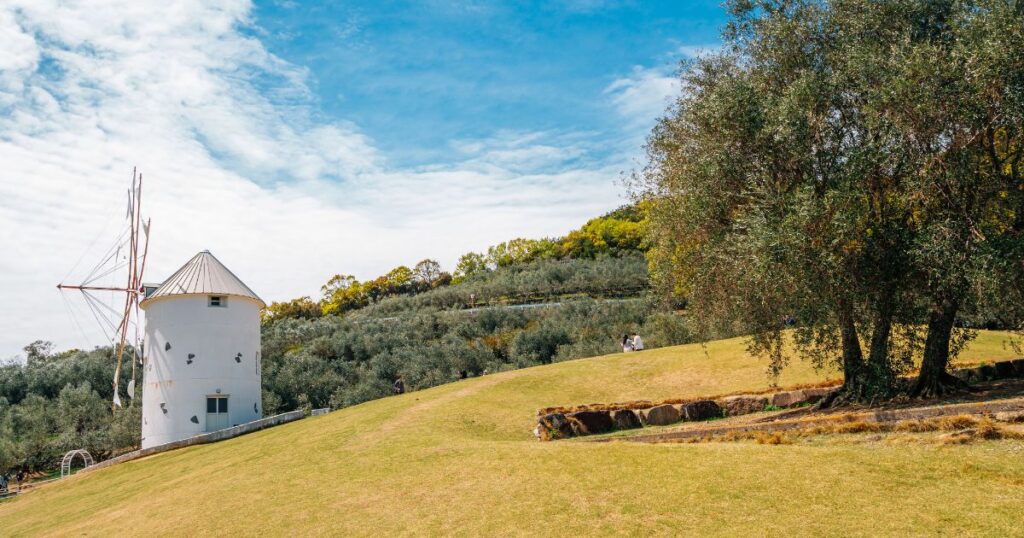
<point x="216" y="413"/>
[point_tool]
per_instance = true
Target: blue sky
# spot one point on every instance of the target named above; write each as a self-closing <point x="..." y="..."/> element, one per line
<point x="298" y="140"/>
<point x="416" y="76"/>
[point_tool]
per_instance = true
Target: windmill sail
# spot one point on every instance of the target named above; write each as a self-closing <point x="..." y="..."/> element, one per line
<point x="120" y="321"/>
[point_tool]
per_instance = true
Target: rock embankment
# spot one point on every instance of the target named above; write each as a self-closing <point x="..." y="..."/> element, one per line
<point x="561" y="423"/>
<point x="594" y="420"/>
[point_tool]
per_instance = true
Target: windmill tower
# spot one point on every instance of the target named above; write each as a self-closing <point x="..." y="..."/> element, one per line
<point x="202" y="353"/>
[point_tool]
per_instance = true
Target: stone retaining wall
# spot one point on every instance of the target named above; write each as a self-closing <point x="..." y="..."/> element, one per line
<point x="602" y="418"/>
<point x="202" y="439"/>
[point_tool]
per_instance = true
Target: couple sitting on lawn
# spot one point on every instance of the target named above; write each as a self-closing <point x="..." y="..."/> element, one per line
<point x="633" y="343"/>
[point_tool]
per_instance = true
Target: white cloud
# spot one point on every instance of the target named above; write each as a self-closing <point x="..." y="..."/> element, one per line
<point x="89" y="89"/>
<point x="644" y="95"/>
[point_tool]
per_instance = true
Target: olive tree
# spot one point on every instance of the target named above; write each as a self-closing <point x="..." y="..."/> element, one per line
<point x="807" y="171"/>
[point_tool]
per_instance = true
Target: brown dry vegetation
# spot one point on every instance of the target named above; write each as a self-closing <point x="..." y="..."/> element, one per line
<point x="959" y="429"/>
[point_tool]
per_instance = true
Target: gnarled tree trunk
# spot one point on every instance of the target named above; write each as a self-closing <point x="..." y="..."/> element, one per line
<point x="879" y="376"/>
<point x="853" y="360"/>
<point x="934" y="380"/>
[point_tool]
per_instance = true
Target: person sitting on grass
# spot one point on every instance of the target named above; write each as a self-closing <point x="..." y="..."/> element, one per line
<point x="627" y="343"/>
<point x="638" y="344"/>
<point x="399" y="386"/>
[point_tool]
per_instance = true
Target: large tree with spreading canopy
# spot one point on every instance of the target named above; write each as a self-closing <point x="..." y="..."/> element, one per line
<point x="853" y="166"/>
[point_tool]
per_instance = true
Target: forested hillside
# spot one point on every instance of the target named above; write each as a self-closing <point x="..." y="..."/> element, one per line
<point x="523" y="302"/>
<point x="55" y="402"/>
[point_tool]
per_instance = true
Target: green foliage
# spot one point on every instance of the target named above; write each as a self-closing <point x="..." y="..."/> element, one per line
<point x="55" y="402"/>
<point x="527" y="313"/>
<point x="541" y="281"/>
<point x="471" y="263"/>
<point x="301" y="308"/>
<point x="428" y="275"/>
<point x="606" y="235"/>
<point x="9" y="450"/>
<point x="540" y="346"/>
<point x="339" y="362"/>
<point x="521" y="251"/>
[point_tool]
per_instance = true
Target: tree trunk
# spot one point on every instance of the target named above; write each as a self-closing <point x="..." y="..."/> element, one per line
<point x="934" y="380"/>
<point x="853" y="357"/>
<point x="879" y="376"/>
<point x="853" y="360"/>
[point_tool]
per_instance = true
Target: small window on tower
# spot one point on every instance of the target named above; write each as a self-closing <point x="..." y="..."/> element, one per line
<point x="217" y="300"/>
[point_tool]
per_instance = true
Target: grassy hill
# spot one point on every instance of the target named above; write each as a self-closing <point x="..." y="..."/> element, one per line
<point x="460" y="459"/>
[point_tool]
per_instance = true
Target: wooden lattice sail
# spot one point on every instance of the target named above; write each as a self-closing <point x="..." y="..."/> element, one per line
<point x="126" y="260"/>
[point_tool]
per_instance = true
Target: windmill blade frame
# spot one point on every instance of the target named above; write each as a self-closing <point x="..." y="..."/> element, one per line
<point x="134" y="239"/>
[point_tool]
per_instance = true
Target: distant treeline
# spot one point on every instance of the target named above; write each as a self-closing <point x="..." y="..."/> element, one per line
<point x="616" y="234"/>
<point x="540" y="281"/>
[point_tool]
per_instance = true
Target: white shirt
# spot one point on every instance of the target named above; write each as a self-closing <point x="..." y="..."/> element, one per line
<point x="638" y="344"/>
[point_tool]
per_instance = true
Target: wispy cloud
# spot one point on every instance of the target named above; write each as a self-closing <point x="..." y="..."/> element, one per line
<point x="643" y="95"/>
<point x="647" y="92"/>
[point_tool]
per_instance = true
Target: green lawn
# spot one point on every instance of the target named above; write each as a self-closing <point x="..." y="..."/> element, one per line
<point x="460" y="459"/>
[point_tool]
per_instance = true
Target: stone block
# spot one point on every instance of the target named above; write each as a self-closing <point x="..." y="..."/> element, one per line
<point x="1018" y="367"/>
<point x="987" y="372"/>
<point x="816" y="394"/>
<point x="701" y="410"/>
<point x="788" y="399"/>
<point x="625" y="419"/>
<point x="1004" y="370"/>
<point x="743" y="405"/>
<point x="975" y="374"/>
<point x="660" y="415"/>
<point x="963" y="374"/>
<point x="554" y="426"/>
<point x="593" y="422"/>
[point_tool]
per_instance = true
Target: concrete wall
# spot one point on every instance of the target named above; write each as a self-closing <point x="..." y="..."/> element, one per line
<point x="192" y="351"/>
<point x="202" y="439"/>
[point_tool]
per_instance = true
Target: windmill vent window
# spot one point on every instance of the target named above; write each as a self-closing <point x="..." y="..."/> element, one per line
<point x="218" y="300"/>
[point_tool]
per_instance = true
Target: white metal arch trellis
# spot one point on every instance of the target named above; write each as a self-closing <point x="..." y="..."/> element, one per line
<point x="69" y="458"/>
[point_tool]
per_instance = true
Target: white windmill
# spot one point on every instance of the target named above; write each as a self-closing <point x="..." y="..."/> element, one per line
<point x="201" y="350"/>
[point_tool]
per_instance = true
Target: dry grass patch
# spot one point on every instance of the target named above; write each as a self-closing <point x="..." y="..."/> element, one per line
<point x="957" y="429"/>
<point x="773" y="438"/>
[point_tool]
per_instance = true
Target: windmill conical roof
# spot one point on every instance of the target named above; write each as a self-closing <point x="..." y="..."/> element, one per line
<point x="203" y="275"/>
